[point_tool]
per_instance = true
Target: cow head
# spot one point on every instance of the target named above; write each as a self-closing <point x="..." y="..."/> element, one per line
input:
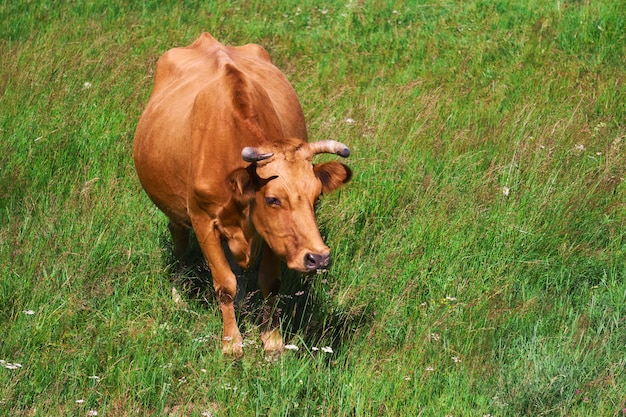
<point x="281" y="187"/>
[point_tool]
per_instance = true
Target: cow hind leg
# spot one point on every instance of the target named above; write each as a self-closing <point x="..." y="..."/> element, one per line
<point x="269" y="282"/>
<point x="180" y="237"/>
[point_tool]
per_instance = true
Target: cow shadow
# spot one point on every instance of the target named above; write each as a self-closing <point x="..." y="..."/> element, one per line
<point x="307" y="309"/>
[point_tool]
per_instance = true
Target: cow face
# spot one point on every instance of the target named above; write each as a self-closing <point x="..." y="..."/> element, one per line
<point x="282" y="187"/>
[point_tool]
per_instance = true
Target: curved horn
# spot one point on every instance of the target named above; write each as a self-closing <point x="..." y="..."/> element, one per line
<point x="329" y="146"/>
<point x="251" y="154"/>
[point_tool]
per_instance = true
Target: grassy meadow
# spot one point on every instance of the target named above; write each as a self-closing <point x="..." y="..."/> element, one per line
<point x="478" y="253"/>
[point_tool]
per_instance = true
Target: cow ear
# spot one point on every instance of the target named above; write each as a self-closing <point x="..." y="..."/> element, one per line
<point x="241" y="185"/>
<point x="332" y="175"/>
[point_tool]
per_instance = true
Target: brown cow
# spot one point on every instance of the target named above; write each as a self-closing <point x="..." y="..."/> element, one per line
<point x="222" y="148"/>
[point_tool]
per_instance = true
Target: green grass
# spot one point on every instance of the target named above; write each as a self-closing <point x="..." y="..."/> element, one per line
<point x="446" y="296"/>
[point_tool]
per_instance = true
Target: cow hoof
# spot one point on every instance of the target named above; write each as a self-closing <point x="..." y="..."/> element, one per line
<point x="232" y="348"/>
<point x="272" y="343"/>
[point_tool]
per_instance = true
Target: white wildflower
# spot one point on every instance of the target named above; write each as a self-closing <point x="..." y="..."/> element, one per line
<point x="81" y="401"/>
<point x="299" y="293"/>
<point x="327" y="349"/>
<point x="430" y="368"/>
<point x="92" y="413"/>
<point x="87" y="85"/>
<point x="315" y="349"/>
<point x="291" y="347"/>
<point x="448" y="298"/>
<point x="9" y="365"/>
<point x="505" y="191"/>
<point x="95" y="377"/>
<point x="28" y="312"/>
<point x="349" y="120"/>
<point x="456" y="359"/>
<point x="580" y="147"/>
<point x="175" y="296"/>
<point x="202" y="339"/>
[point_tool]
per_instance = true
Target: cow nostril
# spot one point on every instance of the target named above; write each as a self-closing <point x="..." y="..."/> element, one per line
<point x="314" y="261"/>
<point x="310" y="263"/>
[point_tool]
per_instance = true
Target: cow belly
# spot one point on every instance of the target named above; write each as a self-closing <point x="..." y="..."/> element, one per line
<point x="162" y="167"/>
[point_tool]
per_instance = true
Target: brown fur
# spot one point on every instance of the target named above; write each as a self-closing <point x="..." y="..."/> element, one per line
<point x="209" y="102"/>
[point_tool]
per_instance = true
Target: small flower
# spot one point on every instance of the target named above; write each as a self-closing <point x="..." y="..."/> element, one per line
<point x="327" y="349"/>
<point x="349" y="120"/>
<point x="407" y="378"/>
<point x="202" y="339"/>
<point x="291" y="347"/>
<point x="81" y="401"/>
<point x="315" y="349"/>
<point x="92" y="413"/>
<point x="95" y="377"/>
<point x="505" y="191"/>
<point x="430" y="368"/>
<point x="28" y="312"/>
<point x="580" y="147"/>
<point x="456" y="359"/>
<point x="299" y="293"/>
<point x="87" y="86"/>
<point x="448" y="298"/>
<point x="175" y="296"/>
<point x="9" y="365"/>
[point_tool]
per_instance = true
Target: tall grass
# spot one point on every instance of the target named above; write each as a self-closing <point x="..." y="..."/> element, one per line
<point x="478" y="254"/>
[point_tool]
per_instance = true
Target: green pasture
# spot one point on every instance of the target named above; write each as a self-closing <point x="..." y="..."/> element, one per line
<point x="479" y="253"/>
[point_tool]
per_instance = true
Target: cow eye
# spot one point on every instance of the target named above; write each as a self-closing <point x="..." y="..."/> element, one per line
<point x="272" y="201"/>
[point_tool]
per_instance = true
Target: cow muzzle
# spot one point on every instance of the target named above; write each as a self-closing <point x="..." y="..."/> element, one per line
<point x="316" y="261"/>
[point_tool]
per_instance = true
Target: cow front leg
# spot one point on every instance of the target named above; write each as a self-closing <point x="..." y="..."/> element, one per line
<point x="224" y="282"/>
<point x="269" y="282"/>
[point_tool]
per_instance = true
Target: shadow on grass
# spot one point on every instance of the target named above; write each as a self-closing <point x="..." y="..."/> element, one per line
<point x="307" y="311"/>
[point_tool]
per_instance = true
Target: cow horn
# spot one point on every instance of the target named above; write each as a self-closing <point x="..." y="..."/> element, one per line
<point x="330" y="146"/>
<point x="251" y="154"/>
